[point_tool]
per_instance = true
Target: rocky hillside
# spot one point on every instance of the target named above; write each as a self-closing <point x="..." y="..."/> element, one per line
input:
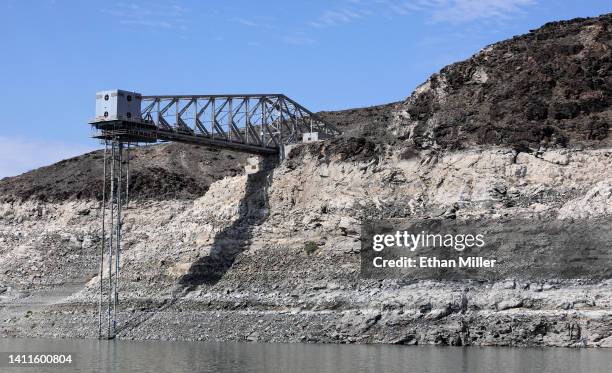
<point x="167" y="171"/>
<point x="551" y="87"/>
<point x="223" y="256"/>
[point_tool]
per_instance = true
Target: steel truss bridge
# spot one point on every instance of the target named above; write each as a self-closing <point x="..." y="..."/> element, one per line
<point x="253" y="123"/>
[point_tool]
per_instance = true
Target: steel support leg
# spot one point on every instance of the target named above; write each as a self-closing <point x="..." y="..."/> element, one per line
<point x="127" y="176"/>
<point x="110" y="239"/>
<point x="116" y="199"/>
<point x="119" y="201"/>
<point x="103" y="243"/>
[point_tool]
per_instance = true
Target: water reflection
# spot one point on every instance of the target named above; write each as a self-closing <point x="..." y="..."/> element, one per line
<point x="178" y="357"/>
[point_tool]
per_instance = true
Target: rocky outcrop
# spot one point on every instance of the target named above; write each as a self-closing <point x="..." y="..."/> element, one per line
<point x="548" y="88"/>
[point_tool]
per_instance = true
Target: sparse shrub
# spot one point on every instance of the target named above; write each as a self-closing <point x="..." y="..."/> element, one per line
<point x="310" y="247"/>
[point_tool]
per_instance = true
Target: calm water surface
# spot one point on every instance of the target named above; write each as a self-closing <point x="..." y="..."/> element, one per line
<point x="179" y="357"/>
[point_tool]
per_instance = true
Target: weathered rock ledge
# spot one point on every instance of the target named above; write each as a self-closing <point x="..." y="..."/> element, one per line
<point x="231" y="265"/>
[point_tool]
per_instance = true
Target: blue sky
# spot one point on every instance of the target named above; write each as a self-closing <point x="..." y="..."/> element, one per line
<point x="327" y="55"/>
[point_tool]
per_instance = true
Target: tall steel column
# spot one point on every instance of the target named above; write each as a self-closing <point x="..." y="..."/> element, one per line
<point x="119" y="200"/>
<point x="116" y="200"/>
<point x="103" y="240"/>
<point x="127" y="175"/>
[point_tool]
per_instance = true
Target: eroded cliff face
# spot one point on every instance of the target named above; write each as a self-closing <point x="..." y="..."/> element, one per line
<point x="231" y="265"/>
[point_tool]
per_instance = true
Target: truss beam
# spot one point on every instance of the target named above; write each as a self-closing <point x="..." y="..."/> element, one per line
<point x="254" y="123"/>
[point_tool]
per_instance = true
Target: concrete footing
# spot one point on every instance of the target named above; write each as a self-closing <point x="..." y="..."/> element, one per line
<point x="252" y="165"/>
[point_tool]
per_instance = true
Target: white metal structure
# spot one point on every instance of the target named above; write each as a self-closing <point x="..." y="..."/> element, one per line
<point x="117" y="105"/>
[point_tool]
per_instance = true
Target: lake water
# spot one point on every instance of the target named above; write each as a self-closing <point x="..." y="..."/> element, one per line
<point x="178" y="357"/>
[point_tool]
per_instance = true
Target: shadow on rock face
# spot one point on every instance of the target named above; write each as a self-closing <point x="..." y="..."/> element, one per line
<point x="226" y="246"/>
<point x="236" y="238"/>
